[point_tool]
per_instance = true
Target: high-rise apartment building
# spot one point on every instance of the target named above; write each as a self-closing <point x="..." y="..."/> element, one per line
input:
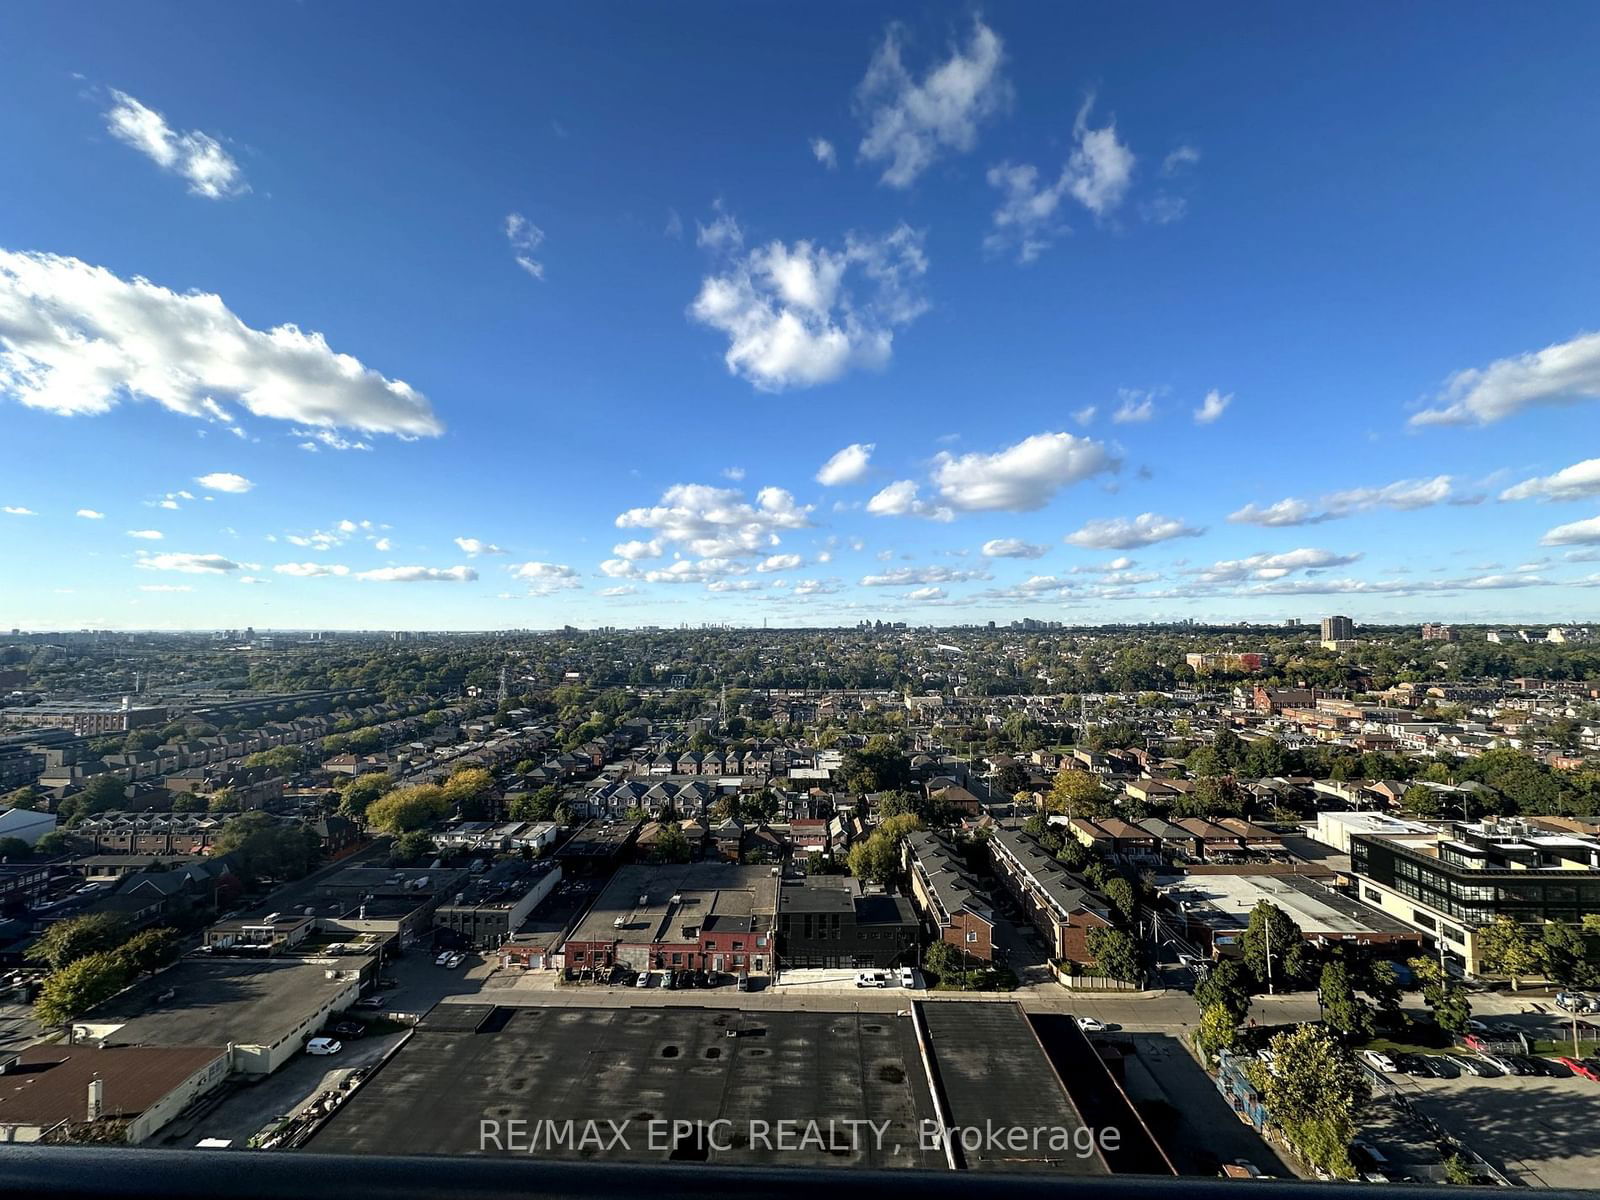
<point x="1338" y="629"/>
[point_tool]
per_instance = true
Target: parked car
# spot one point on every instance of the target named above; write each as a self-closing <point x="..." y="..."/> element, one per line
<point x="1241" y="1168"/>
<point x="1573" y="1002"/>
<point x="1435" y="1066"/>
<point x="322" y="1045"/>
<point x="872" y="979"/>
<point x="348" y="1029"/>
<point x="1497" y="1063"/>
<point x="1090" y="1024"/>
<point x="669" y="980"/>
<point x="1379" y="1061"/>
<point x="643" y="981"/>
<point x="1466" y="1065"/>
<point x="702" y="979"/>
<point x="1580" y="1066"/>
<point x="370" y="1002"/>
<point x="455" y="960"/>
<point x="908" y="977"/>
<point x="443" y="960"/>
<point x="744" y="981"/>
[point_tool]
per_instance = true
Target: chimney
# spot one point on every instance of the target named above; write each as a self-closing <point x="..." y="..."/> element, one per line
<point x="97" y="1097"/>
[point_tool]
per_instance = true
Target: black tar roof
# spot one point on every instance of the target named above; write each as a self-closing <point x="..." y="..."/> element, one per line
<point x="641" y="1065"/>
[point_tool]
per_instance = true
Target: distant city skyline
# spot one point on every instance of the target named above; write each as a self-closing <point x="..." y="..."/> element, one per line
<point x="935" y="316"/>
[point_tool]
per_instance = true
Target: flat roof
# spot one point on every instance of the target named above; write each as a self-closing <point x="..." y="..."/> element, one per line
<point x="220" y="1000"/>
<point x="968" y="1041"/>
<point x="702" y="890"/>
<point x="643" y="1065"/>
<point x="1230" y="898"/>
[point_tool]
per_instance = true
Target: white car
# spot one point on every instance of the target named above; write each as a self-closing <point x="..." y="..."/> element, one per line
<point x="1379" y="1061"/>
<point x="908" y="977"/>
<point x="1090" y="1024"/>
<point x="443" y="960"/>
<point x="643" y="981"/>
<point x="455" y="960"/>
<point x="324" y="1046"/>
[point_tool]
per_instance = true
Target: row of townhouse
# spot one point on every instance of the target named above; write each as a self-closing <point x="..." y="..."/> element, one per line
<point x="1061" y="906"/>
<point x="953" y="904"/>
<point x="775" y="761"/>
<point x="185" y="833"/>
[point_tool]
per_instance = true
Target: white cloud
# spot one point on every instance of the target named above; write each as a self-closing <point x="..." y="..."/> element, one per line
<point x="733" y="473"/>
<point x="1137" y="406"/>
<point x="910" y="123"/>
<point x="780" y="562"/>
<point x="900" y="499"/>
<point x="715" y="522"/>
<point x="1086" y="414"/>
<point x="307" y="570"/>
<point x="814" y="587"/>
<point x="89" y="514"/>
<point x="847" y="466"/>
<point x="1183" y="156"/>
<point x="1403" y="495"/>
<point x="1570" y="483"/>
<point x="472" y="547"/>
<point x="381" y="544"/>
<point x="545" y="578"/>
<point x="825" y="153"/>
<point x="626" y="589"/>
<point x="189" y="564"/>
<point x="791" y="314"/>
<point x="317" y="438"/>
<point x="149" y="535"/>
<point x="686" y="570"/>
<point x="900" y="576"/>
<point x="225" y="481"/>
<point x="16" y="510"/>
<point x="1121" y="533"/>
<point x="1573" y="533"/>
<point x="525" y="238"/>
<point x="420" y="575"/>
<point x="76" y="339"/>
<point x="636" y="549"/>
<point x="1097" y="175"/>
<point x="925" y="593"/>
<point x="735" y="585"/>
<point x="1214" y="405"/>
<point x="1273" y="566"/>
<point x="1121" y="563"/>
<point x="1564" y="373"/>
<point x="198" y="157"/>
<point x="1022" y="477"/>
<point x="165" y="587"/>
<point x="1013" y="548"/>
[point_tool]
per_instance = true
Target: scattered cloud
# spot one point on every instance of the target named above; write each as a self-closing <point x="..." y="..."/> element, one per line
<point x="713" y="522"/>
<point x="189" y="564"/>
<point x="801" y="315"/>
<point x="1179" y="159"/>
<point x="1272" y="566"/>
<point x="900" y="499"/>
<point x="1570" y="483"/>
<point x="472" y="547"/>
<point x="307" y="570"/>
<point x="1086" y="414"/>
<point x="149" y="535"/>
<point x="924" y="594"/>
<point x="780" y="562"/>
<point x="825" y="154"/>
<point x="1097" y="175"/>
<point x="225" y="481"/>
<point x="910" y="123"/>
<point x="420" y="575"/>
<point x="1123" y="533"/>
<point x="1212" y="407"/>
<point x="1573" y="533"/>
<point x="1138" y="406"/>
<point x="901" y="576"/>
<point x="847" y="466"/>
<point x="545" y="578"/>
<point x="1020" y="478"/>
<point x="17" y="510"/>
<point x="89" y="514"/>
<point x="316" y="439"/>
<point x="637" y="549"/>
<point x="1564" y="373"/>
<point x="197" y="157"/>
<point x="525" y="238"/>
<point x="1404" y="495"/>
<point x="76" y="339"/>
<point x="734" y="473"/>
<point x="1013" y="548"/>
<point x="624" y="589"/>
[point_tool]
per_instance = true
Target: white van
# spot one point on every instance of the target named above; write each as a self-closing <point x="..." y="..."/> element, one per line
<point x="873" y="979"/>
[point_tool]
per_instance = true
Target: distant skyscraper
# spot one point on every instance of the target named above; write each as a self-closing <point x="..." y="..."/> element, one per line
<point x="1338" y="629"/>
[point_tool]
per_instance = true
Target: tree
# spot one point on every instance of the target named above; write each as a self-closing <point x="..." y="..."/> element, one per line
<point x="361" y="791"/>
<point x="14" y="849"/>
<point x="1443" y="995"/>
<point x="1506" y="947"/>
<point x="1075" y="793"/>
<point x="535" y="806"/>
<point x="1382" y="983"/>
<point x="468" y="790"/>
<point x="267" y="848"/>
<point x="1341" y="1007"/>
<point x="149" y="951"/>
<point x="25" y="798"/>
<point x="879" y="766"/>
<point x="1313" y="1093"/>
<point x="672" y="844"/>
<point x="1419" y="801"/>
<point x="405" y="809"/>
<point x="1563" y="954"/>
<point x="64" y="942"/>
<point x="1117" y="953"/>
<point x="411" y="848"/>
<point x="1271" y="927"/>
<point x="77" y="987"/>
<point x="1226" y="985"/>
<point x="57" y="841"/>
<point x="1010" y="779"/>
<point x="1218" y="1030"/>
<point x="1123" y="899"/>
<point x="279" y="758"/>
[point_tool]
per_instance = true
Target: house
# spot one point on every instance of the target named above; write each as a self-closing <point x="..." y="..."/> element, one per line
<point x="1061" y="906"/>
<point x="954" y="905"/>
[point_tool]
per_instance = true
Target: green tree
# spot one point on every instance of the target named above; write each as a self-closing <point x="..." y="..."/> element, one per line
<point x="468" y="790"/>
<point x="56" y="842"/>
<point x="64" y="942"/>
<point x="1227" y="986"/>
<point x="1313" y="1094"/>
<point x="1381" y="981"/>
<point x="405" y="809"/>
<point x="1116" y="953"/>
<point x="150" y="950"/>
<point x="879" y="766"/>
<point x="361" y="791"/>
<point x="25" y="798"/>
<point x="1124" y="901"/>
<point x="1444" y="995"/>
<point x="672" y="844"/>
<point x="1419" y="801"/>
<point x="14" y="849"/>
<point x="1218" y="1031"/>
<point x="266" y="848"/>
<point x="1563" y="955"/>
<point x="77" y="987"/>
<point x="1341" y="1007"/>
<point x="1271" y="927"/>
<point x="1506" y="947"/>
<point x="412" y="847"/>
<point x="1077" y="794"/>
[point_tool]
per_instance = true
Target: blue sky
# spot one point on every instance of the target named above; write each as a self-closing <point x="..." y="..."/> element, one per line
<point x="407" y="316"/>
